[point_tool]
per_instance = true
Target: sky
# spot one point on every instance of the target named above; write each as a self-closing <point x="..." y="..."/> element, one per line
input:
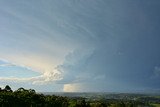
<point x="80" y="45"/>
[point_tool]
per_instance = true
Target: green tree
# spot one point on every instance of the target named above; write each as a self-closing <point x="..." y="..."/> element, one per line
<point x="8" y="88"/>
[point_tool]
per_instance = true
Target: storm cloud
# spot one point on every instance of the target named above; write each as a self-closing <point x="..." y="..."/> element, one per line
<point x="104" y="45"/>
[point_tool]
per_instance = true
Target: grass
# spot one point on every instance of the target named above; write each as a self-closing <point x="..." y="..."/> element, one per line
<point x="156" y="105"/>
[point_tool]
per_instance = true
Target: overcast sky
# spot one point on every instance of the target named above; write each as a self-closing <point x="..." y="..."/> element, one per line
<point x="80" y="45"/>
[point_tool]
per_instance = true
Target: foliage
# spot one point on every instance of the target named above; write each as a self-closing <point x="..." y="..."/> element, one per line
<point x="29" y="98"/>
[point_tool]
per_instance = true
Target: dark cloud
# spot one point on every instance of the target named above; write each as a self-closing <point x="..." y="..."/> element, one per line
<point x="112" y="45"/>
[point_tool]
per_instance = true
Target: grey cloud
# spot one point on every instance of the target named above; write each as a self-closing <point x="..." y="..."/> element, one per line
<point x="75" y="65"/>
<point x="111" y="42"/>
<point x="156" y="72"/>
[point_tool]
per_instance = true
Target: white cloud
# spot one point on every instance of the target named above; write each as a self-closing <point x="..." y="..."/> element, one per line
<point x="37" y="80"/>
<point x="6" y="65"/>
<point x="72" y="88"/>
<point x="44" y="78"/>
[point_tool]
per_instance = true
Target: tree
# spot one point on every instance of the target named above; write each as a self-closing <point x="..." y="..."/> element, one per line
<point x="32" y="91"/>
<point x="8" y="88"/>
<point x="20" y="89"/>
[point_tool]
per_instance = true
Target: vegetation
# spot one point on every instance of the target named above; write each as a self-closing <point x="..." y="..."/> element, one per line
<point x="29" y="98"/>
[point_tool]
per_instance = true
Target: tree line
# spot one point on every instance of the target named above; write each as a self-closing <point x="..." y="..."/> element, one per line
<point x="29" y="98"/>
